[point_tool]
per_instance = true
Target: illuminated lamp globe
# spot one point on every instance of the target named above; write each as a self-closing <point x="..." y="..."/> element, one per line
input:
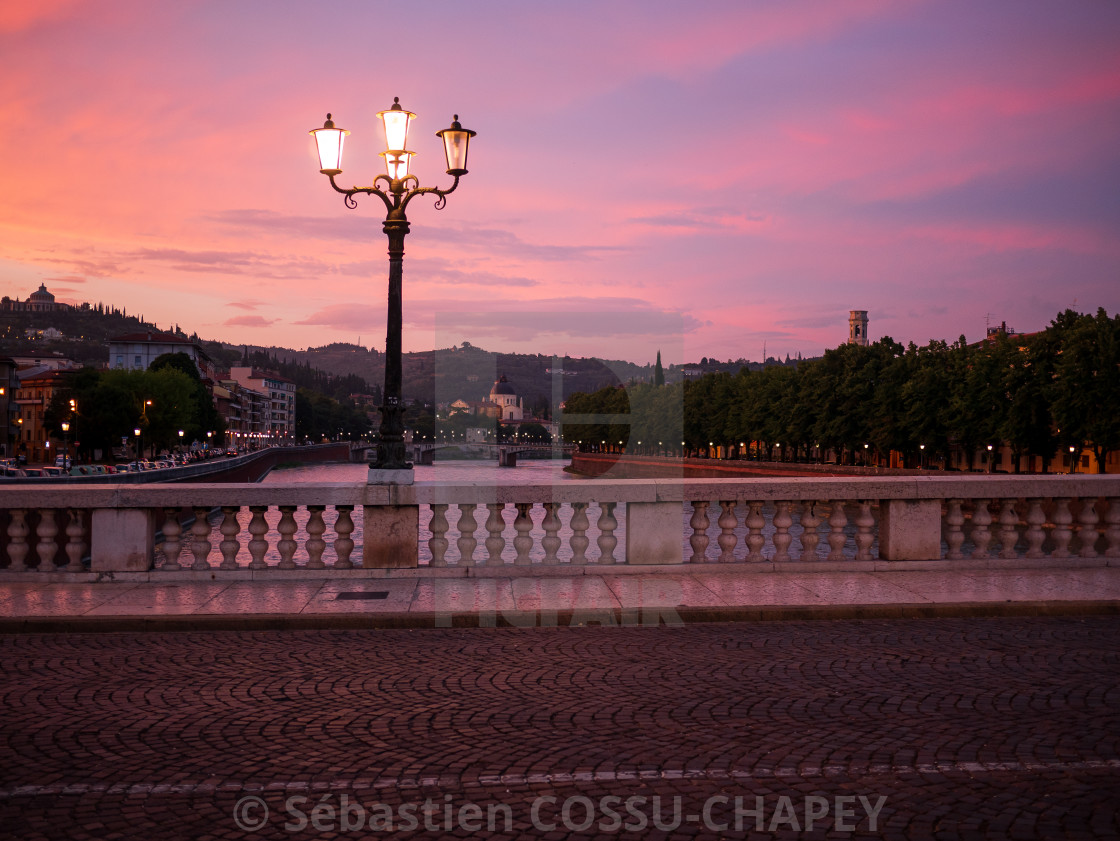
<point x="456" y="140"/>
<point x="396" y="122"/>
<point x="328" y="142"/>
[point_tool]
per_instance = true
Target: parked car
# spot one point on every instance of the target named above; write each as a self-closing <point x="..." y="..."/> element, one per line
<point x="7" y="472"/>
<point x="53" y="471"/>
<point x="62" y="461"/>
<point x="36" y="472"/>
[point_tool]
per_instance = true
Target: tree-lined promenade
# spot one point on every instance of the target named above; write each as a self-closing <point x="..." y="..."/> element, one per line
<point x="1037" y="395"/>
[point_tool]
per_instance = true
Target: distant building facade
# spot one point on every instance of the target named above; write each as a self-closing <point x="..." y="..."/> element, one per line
<point x="37" y="386"/>
<point x="278" y="417"/>
<point x="40" y="301"/>
<point x="137" y="351"/>
<point x="9" y="409"/>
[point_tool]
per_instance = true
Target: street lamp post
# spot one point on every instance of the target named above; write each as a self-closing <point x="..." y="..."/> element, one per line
<point x="390" y="455"/>
<point x="66" y="445"/>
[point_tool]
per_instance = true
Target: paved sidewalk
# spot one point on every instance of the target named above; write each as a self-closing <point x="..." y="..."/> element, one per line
<point x="521" y="599"/>
<point x="947" y="728"/>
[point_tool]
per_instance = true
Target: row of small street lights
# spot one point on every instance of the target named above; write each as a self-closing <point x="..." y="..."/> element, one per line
<point x="396" y="122"/>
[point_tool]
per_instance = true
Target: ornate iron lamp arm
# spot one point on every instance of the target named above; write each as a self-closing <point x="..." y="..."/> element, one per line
<point x="442" y="194"/>
<point x="373" y="191"/>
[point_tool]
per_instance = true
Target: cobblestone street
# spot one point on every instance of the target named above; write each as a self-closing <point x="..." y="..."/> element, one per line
<point x="969" y="728"/>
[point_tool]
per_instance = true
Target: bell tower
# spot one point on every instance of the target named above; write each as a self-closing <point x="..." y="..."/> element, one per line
<point x="857" y="327"/>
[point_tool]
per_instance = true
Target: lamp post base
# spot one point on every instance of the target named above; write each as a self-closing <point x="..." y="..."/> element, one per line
<point x="381" y="476"/>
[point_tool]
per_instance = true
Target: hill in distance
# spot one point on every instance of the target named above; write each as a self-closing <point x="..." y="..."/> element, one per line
<point x="464" y="372"/>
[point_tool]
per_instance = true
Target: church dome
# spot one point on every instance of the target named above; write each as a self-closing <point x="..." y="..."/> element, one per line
<point x="42" y="295"/>
<point x="502" y="386"/>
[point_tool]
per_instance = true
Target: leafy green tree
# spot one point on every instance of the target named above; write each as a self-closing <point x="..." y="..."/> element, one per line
<point x="926" y="398"/>
<point x="1086" y="385"/>
<point x="198" y="415"/>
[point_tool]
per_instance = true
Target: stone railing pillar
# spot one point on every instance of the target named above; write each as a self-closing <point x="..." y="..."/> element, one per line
<point x="122" y="539"/>
<point x="391" y="536"/>
<point x="653" y="533"/>
<point x="910" y="529"/>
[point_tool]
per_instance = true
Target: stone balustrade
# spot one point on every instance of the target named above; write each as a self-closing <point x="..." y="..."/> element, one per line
<point x="242" y="530"/>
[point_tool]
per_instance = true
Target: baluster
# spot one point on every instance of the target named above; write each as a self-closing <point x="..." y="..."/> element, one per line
<point x="1087" y="533"/>
<point x="699" y="538"/>
<point x="438" y="543"/>
<point x="1008" y="534"/>
<point x="172" y="539"/>
<point x="1112" y="532"/>
<point x="579" y="525"/>
<point x="606" y="540"/>
<point x="18" y="530"/>
<point x="1063" y="532"/>
<point x="756" y="522"/>
<point x="865" y="522"/>
<point x="46" y="533"/>
<point x="286" y="545"/>
<point x="495" y="525"/>
<point x="466" y="526"/>
<point x="551" y="525"/>
<point x="75" y="546"/>
<point x="315" y="543"/>
<point x="981" y="528"/>
<point x="1035" y="534"/>
<point x="810" y="522"/>
<point x="258" y="528"/>
<point x="782" y="537"/>
<point x="954" y="529"/>
<point x="200" y="545"/>
<point x="229" y="528"/>
<point x="727" y="540"/>
<point x="522" y="524"/>
<point x="343" y="544"/>
<point x="837" y="522"/>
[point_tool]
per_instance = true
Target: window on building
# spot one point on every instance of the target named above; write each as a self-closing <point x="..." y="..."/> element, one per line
<point x="137" y="362"/>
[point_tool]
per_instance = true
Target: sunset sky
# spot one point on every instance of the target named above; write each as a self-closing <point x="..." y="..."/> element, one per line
<point x="700" y="178"/>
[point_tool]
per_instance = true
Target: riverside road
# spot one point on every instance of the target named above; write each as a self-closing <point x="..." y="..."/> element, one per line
<point x="938" y="728"/>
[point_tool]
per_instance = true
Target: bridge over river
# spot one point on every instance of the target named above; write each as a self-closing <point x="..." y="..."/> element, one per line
<point x="507" y="454"/>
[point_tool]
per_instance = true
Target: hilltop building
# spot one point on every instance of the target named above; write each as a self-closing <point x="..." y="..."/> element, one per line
<point x="40" y="301"/>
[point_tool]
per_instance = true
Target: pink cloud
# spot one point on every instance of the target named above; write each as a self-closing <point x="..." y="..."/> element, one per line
<point x="249" y="321"/>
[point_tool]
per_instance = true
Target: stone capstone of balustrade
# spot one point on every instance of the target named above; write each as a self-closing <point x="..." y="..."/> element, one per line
<point x="986" y="518"/>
